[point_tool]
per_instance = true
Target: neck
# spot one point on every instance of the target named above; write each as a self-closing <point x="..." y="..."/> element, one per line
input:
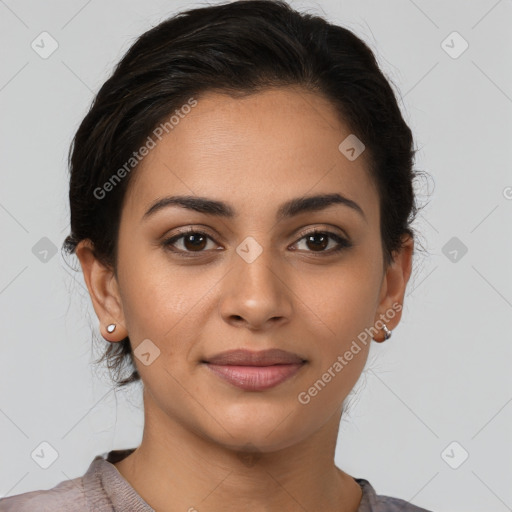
<point x="175" y="469"/>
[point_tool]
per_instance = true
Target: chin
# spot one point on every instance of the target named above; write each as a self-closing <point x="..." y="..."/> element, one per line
<point x="259" y="432"/>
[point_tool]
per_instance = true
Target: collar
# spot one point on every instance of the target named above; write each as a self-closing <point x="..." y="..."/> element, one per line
<point x="102" y="474"/>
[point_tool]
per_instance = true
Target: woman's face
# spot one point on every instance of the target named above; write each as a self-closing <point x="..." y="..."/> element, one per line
<point x="251" y="278"/>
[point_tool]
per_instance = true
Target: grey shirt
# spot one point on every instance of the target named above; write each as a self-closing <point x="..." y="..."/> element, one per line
<point x="103" y="489"/>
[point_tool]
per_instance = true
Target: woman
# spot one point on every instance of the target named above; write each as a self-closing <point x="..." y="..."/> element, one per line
<point x="241" y="202"/>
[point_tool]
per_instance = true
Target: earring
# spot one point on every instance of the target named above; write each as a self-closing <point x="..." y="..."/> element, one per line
<point x="387" y="332"/>
<point x="111" y="327"/>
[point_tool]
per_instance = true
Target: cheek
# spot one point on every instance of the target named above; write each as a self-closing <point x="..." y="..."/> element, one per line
<point x="333" y="317"/>
<point x="335" y="312"/>
<point x="154" y="304"/>
<point x="162" y="301"/>
<point x="151" y="295"/>
<point x="341" y="303"/>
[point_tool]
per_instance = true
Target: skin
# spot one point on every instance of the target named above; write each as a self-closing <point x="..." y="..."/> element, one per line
<point x="254" y="153"/>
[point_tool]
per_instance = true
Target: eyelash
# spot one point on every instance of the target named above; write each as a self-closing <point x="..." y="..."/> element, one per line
<point x="342" y="242"/>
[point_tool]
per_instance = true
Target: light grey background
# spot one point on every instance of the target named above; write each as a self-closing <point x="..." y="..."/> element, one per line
<point x="445" y="374"/>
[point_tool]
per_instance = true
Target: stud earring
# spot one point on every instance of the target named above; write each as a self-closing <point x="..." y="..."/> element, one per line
<point x="387" y="332"/>
<point x="111" y="327"/>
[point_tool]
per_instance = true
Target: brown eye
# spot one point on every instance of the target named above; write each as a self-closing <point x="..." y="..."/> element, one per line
<point x="318" y="241"/>
<point x="191" y="241"/>
<point x="194" y="242"/>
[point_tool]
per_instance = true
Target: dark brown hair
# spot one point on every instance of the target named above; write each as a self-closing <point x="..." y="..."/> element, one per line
<point x="237" y="48"/>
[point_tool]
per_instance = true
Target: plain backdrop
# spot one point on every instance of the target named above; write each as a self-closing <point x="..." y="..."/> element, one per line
<point x="430" y="419"/>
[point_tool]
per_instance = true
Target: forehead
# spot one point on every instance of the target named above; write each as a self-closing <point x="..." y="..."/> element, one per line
<point x="275" y="144"/>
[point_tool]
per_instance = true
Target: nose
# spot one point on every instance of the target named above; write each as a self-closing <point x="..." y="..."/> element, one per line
<point x="255" y="294"/>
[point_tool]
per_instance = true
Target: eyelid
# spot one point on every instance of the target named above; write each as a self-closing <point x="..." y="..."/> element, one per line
<point x="326" y="228"/>
<point x="342" y="241"/>
<point x="199" y="229"/>
<point x="172" y="239"/>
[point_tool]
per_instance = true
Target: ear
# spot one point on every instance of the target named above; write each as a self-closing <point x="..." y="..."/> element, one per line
<point x="103" y="289"/>
<point x="393" y="287"/>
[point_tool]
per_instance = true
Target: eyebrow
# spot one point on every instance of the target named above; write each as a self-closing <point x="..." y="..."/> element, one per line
<point x="221" y="209"/>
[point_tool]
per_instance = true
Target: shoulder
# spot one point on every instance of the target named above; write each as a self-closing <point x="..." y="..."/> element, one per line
<point x="67" y="496"/>
<point x="373" y="502"/>
<point x="389" y="504"/>
<point x="101" y="489"/>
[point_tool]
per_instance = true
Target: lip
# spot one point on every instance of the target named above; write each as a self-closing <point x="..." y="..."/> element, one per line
<point x="255" y="371"/>
<point x="244" y="357"/>
<point x="255" y="378"/>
